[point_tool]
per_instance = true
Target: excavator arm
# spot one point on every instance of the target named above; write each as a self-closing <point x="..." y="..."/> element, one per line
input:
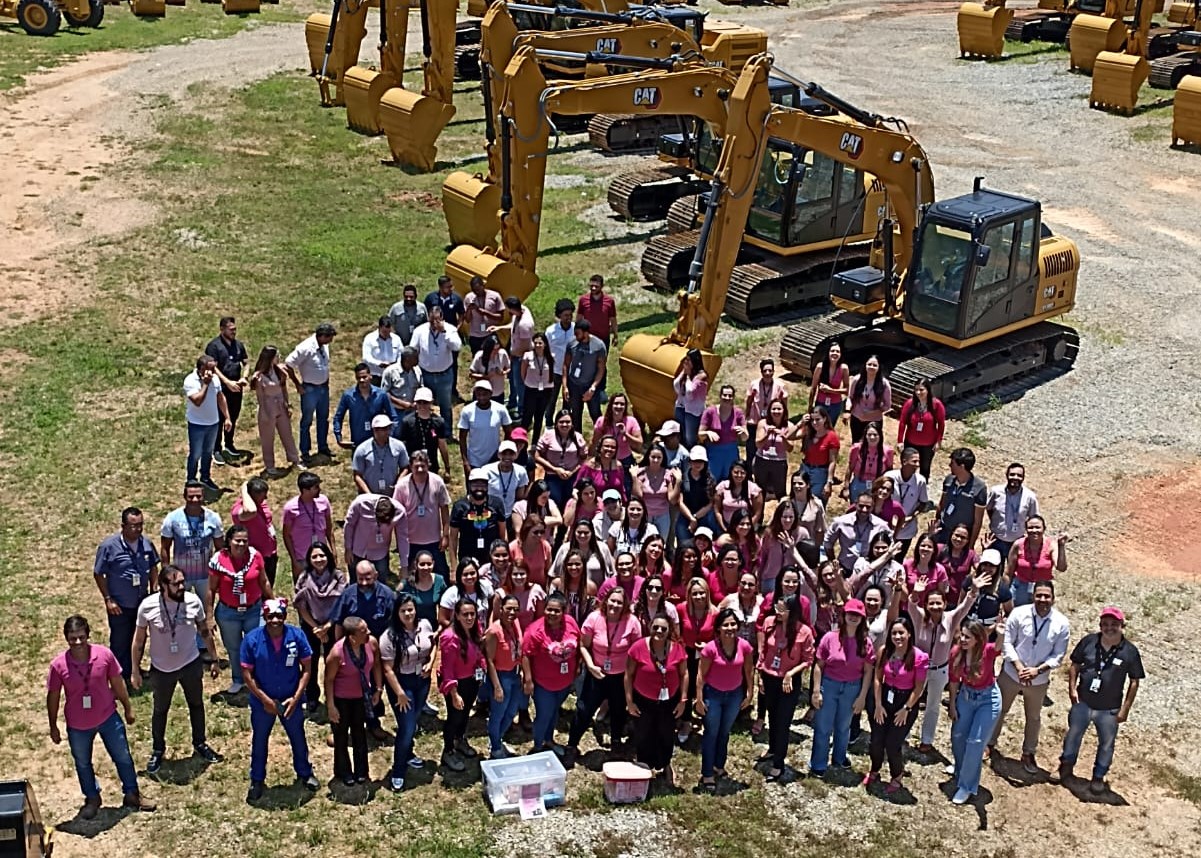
<point x="1118" y="76"/>
<point x="363" y="87"/>
<point x="333" y="42"/>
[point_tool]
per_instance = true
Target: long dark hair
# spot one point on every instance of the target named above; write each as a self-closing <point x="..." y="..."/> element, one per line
<point x="875" y="424"/>
<point x="696" y="363"/>
<point x="808" y="435"/>
<point x="778" y="592"/>
<point x="889" y="649"/>
<point x="265" y="363"/>
<point x="466" y="636"/>
<point x="826" y="375"/>
<point x="861" y="383"/>
<point x="550" y="359"/>
<point x="491" y="344"/>
<point x="625" y="520"/>
<point x="860" y="633"/>
<point x="677" y="565"/>
<point x="644" y="561"/>
<point x="581" y="592"/>
<point x="400" y="635"/>
<point x="723" y="615"/>
<point x="537" y="489"/>
<point x="744" y="489"/>
<point x="642" y="611"/>
<point x="479" y="586"/>
<point x="792" y="626"/>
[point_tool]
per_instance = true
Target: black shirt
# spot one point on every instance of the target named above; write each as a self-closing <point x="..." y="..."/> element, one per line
<point x="478" y="526"/>
<point x="453" y="310"/>
<point x="230" y="357"/>
<point x="988" y="605"/>
<point x="1113" y="667"/>
<point x="696" y="492"/>
<point x="417" y="434"/>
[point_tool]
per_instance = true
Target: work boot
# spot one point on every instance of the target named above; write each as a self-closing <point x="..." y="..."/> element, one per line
<point x="91" y="806"/>
<point x="135" y="801"/>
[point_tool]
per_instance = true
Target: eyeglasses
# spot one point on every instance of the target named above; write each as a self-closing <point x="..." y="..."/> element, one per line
<point x="539" y="532"/>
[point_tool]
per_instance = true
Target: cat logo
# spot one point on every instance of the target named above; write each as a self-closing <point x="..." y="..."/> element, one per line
<point x="647" y="96"/>
<point x="852" y="144"/>
<point x="608" y="46"/>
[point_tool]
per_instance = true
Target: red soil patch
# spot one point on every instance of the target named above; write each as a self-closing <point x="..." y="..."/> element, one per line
<point x="1160" y="538"/>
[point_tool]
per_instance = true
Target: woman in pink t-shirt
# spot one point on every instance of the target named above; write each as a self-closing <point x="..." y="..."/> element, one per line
<point x="868" y="459"/>
<point x="617" y="423"/>
<point x="605" y="641"/>
<point x="605" y="471"/>
<point x="923" y="565"/>
<point x="530" y="597"/>
<point x="785" y="649"/>
<point x="658" y="487"/>
<point x="738" y="492"/>
<point x="550" y="659"/>
<point x="462" y="669"/>
<point x="959" y="559"/>
<point x="726" y="676"/>
<point x="841" y="676"/>
<point x="687" y="566"/>
<point x="697" y="616"/>
<point x="899" y="683"/>
<point x="724" y="579"/>
<point x="778" y="546"/>
<point x="532" y="549"/>
<point x="975" y="705"/>
<point x="656" y="670"/>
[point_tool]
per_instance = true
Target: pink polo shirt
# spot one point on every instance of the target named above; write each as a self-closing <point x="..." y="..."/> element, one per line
<point x="457" y="663"/>
<point x="554" y="656"/>
<point x="898" y="675"/>
<point x="988" y="665"/>
<point x="611" y="641"/>
<point x="726" y="675"/>
<point x="840" y="657"/>
<point x="648" y="677"/>
<point x="779" y="655"/>
<point x="621" y="432"/>
<point x="85" y="680"/>
<point x="429" y="499"/>
<point x="712" y="421"/>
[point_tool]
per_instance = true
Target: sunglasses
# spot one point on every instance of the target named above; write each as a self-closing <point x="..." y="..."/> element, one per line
<point x="654" y="587"/>
<point x="539" y="532"/>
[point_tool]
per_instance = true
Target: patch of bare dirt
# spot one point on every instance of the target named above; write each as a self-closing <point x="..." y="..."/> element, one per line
<point x="1160" y="538"/>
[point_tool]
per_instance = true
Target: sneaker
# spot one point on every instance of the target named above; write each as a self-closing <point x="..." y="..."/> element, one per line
<point x="91" y="807"/>
<point x="255" y="792"/>
<point x="465" y="749"/>
<point x="429" y="709"/>
<point x="453" y="761"/>
<point x="211" y="486"/>
<point x="870" y="778"/>
<point x="949" y="768"/>
<point x="1097" y="786"/>
<point x="208" y="754"/>
<point x="154" y="763"/>
<point x="416" y="763"/>
<point x="310" y="783"/>
<point x="348" y="780"/>
<point x="234" y="688"/>
<point x="233" y="457"/>
<point x="396" y="784"/>
<point x="1066" y="772"/>
<point x="1029" y="766"/>
<point x="135" y="801"/>
<point x="961" y="796"/>
<point x="218" y="458"/>
<point x="498" y="754"/>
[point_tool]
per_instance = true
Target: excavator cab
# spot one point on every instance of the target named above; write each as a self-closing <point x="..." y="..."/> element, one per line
<point x="803" y="197"/>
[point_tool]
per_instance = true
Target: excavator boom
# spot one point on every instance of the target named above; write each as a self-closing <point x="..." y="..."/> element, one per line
<point x="333" y="42"/>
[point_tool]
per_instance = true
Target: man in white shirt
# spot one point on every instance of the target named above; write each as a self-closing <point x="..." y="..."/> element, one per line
<point x="437" y="345"/>
<point x="558" y="337"/>
<point x="910" y="490"/>
<point x="481" y="428"/>
<point x="381" y="349"/>
<point x="1009" y="508"/>
<point x="207" y="415"/>
<point x="1036" y="642"/>
<point x="507" y="483"/>
<point x="308" y="367"/>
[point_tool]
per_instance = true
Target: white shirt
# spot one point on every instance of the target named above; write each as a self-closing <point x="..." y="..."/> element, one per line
<point x="378" y="351"/>
<point x="435" y="351"/>
<point x="207" y="412"/>
<point x="1035" y="640"/>
<point x="910" y="494"/>
<point x="310" y="361"/>
<point x="559" y="339"/>
<point x="502" y="487"/>
<point x="1008" y="513"/>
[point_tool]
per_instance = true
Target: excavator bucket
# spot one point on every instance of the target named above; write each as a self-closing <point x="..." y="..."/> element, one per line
<point x="465" y="262"/>
<point x="648" y="365"/>
<point x="1181" y="12"/>
<point x="148" y="8"/>
<point x="1092" y="34"/>
<point x="1186" y="114"/>
<point x="363" y="89"/>
<point x="239" y="7"/>
<point x="471" y="205"/>
<point x="477" y="8"/>
<point x="316" y="30"/>
<point x="412" y="122"/>
<point x="982" y="30"/>
<point x="1116" y="81"/>
<point x="343" y="54"/>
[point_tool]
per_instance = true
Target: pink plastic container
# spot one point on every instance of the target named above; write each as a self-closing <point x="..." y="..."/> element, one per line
<point x="626" y="783"/>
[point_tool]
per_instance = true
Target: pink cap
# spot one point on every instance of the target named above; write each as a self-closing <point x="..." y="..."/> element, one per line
<point x="1111" y="611"/>
<point x="519" y="434"/>
<point x="854" y="606"/>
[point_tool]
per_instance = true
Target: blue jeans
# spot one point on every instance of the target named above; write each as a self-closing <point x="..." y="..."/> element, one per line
<point x="690" y="426"/>
<point x="517" y="388"/>
<point x="977" y="711"/>
<point x="442" y="384"/>
<point x="721" y="708"/>
<point x="112" y="733"/>
<point x="501" y="715"/>
<point x="721" y="457"/>
<point x="858" y="487"/>
<point x="121" y="628"/>
<point x="833" y="720"/>
<point x="818" y="477"/>
<point x="416" y="689"/>
<point x="546" y="714"/>
<point x="261" y="725"/>
<point x="202" y="440"/>
<point x="559" y="488"/>
<point x="708" y="520"/>
<point x="235" y="625"/>
<point x="1023" y="592"/>
<point x="314" y="401"/>
<point x="1079" y="717"/>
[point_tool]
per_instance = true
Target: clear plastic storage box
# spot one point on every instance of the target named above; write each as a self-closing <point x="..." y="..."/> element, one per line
<point x="507" y="781"/>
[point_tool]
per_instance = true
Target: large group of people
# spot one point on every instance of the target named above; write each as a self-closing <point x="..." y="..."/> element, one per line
<point x="673" y="578"/>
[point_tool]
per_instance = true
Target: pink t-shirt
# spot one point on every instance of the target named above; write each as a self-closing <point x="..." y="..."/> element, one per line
<point x="726" y="675"/>
<point x="711" y="421"/>
<point x="779" y="655"/>
<point x="691" y="393"/>
<point x="649" y="677"/>
<point x="259" y="526"/>
<point x="611" y="641"/>
<point x="869" y="470"/>
<point x="762" y="395"/>
<point x="655" y="492"/>
<point x="457" y="664"/>
<point x="613" y="478"/>
<point x="898" y="675"/>
<point x="307" y="522"/>
<point x="553" y="657"/>
<point x="621" y="431"/>
<point x="85" y="680"/>
<point x="937" y="579"/>
<point x="840" y="657"/>
<point x="731" y="502"/>
<point x="430" y="498"/>
<point x="347" y="683"/>
<point x="988" y="665"/>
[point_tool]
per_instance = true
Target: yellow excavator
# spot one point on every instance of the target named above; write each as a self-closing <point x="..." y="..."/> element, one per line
<point x="362" y="88"/>
<point x="45" y="17"/>
<point x="1169" y="70"/>
<point x="333" y="42"/>
<point x="525" y="106"/>
<point x="960" y="295"/>
<point x="1119" y="74"/>
<point x="1186" y="113"/>
<point x="1110" y="31"/>
<point x="985" y="26"/>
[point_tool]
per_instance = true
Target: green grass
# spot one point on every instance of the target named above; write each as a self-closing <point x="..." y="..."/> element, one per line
<point x="21" y="55"/>
<point x="1187" y="787"/>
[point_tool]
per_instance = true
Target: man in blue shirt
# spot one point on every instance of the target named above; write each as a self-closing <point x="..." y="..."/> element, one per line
<point x="453" y="311"/>
<point x="373" y="603"/>
<point x="276" y="662"/>
<point x="126" y="571"/>
<point x="361" y="403"/>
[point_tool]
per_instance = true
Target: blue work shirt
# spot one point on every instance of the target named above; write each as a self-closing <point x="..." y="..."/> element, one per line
<point x="453" y="309"/>
<point x="373" y="607"/>
<point x="126" y="568"/>
<point x="360" y="410"/>
<point x="277" y="672"/>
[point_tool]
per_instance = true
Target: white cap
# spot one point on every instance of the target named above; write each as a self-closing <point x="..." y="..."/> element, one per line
<point x="699" y="454"/>
<point x="477" y="474"/>
<point x="507" y="447"/>
<point x="423" y="394"/>
<point x="610" y="494"/>
<point x="482" y="385"/>
<point x="381" y="421"/>
<point x="991" y="555"/>
<point x="671" y="427"/>
<point x="703" y="531"/>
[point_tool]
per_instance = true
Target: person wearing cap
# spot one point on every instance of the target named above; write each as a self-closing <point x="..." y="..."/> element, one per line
<point x="358" y="405"/>
<point x="380" y="460"/>
<point x="760" y="394"/>
<point x="276" y="664"/>
<point x="994" y="602"/>
<point x="1036" y="642"/>
<point x="558" y="337"/>
<point x="373" y="522"/>
<point x="521" y="339"/>
<point x="381" y="349"/>
<point x="425" y="430"/>
<point x="507" y="483"/>
<point x="407" y="314"/>
<point x="669" y="437"/>
<point x="583" y="374"/>
<point x="476" y="521"/>
<point x="425" y="500"/>
<point x="611" y="512"/>
<point x="481" y="428"/>
<point x="437" y="343"/>
<point x="401" y="381"/>
<point x="308" y="367"/>
<point x="1103" y="680"/>
<point x="697" y="496"/>
<point x="524" y="460"/>
<point x="450" y="315"/>
<point x="842" y="675"/>
<point x="483" y="309"/>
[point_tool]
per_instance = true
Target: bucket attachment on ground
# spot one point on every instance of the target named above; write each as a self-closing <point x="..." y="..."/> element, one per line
<point x="1117" y="79"/>
<point x="362" y="90"/>
<point x="238" y="7"/>
<point x="471" y="205"/>
<point x="465" y="262"/>
<point x="1092" y="34"/>
<point x="1186" y="113"/>
<point x="148" y="8"/>
<point x="648" y="365"/>
<point x="982" y="30"/>
<point x="1181" y="12"/>
<point x="412" y="123"/>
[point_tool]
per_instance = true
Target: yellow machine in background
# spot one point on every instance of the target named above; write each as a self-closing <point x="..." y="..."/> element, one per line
<point x="333" y="41"/>
<point x="1186" y="113"/>
<point x="1118" y="76"/>
<point x="1092" y="34"/>
<point x="981" y="28"/>
<point x="45" y="17"/>
<point x="362" y="88"/>
<point x="240" y="7"/>
<point x="148" y="8"/>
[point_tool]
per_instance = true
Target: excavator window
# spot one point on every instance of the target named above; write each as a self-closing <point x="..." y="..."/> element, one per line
<point x="1028" y="249"/>
<point x="771" y="193"/>
<point x="999" y="241"/>
<point x="939" y="274"/>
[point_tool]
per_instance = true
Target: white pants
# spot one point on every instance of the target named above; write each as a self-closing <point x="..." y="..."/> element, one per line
<point x="936" y="683"/>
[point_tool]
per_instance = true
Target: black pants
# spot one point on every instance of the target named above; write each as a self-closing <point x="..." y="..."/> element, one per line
<point x="575" y="404"/>
<point x="556" y="385"/>
<point x="352" y="720"/>
<point x="190" y="678"/>
<point x="312" y="693"/>
<point x="655" y="730"/>
<point x="925" y="460"/>
<point x="455" y="726"/>
<point x="270" y="566"/>
<point x="534" y="412"/>
<point x="121" y="628"/>
<point x="612" y="688"/>
<point x="781" y="708"/>
<point x="887" y="738"/>
<point x="857" y="429"/>
<point x="694" y="663"/>
<point x="233" y="401"/>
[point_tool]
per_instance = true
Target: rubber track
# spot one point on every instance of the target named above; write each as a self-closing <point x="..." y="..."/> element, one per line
<point x="646" y="193"/>
<point x="625" y="132"/>
<point x="467" y="61"/>
<point x="682" y="214"/>
<point x="659" y="253"/>
<point x="802" y="342"/>
<point x="1164" y="69"/>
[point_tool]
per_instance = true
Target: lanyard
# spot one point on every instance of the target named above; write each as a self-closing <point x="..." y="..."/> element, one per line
<point x="172" y="619"/>
<point x="381" y="456"/>
<point x="505" y="484"/>
<point x="660" y="664"/>
<point x="84" y="673"/>
<point x="421" y="496"/>
<point x="310" y="514"/>
<point x="1013" y="506"/>
<point x="1105" y="657"/>
<point x="1038" y="630"/>
<point x="133" y="555"/>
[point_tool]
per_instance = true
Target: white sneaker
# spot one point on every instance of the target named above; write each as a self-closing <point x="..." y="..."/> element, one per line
<point x="397" y="784"/>
<point x="949" y="768"/>
<point x="961" y="796"/>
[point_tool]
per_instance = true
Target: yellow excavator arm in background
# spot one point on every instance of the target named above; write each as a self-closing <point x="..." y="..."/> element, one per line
<point x="333" y="41"/>
<point x="1118" y="76"/>
<point x="362" y="88"/>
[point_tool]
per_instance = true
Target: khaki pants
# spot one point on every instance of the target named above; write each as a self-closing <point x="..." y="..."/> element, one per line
<point x="273" y="417"/>
<point x="1032" y="700"/>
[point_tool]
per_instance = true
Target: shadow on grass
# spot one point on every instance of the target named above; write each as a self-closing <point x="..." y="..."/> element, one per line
<point x="106" y="819"/>
<point x="598" y="243"/>
<point x="180" y="772"/>
<point x="290" y="797"/>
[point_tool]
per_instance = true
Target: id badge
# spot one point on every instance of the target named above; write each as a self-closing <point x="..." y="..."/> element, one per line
<point x="889" y="699"/>
<point x="86" y="701"/>
<point x="950" y="510"/>
<point x="174" y="647"/>
<point x="421" y="510"/>
<point x="379" y="538"/>
<point x="479" y="543"/>
<point x="663" y="694"/>
<point x="242" y="598"/>
<point x="775" y="663"/>
<point x="290" y="661"/>
<point x="577" y="371"/>
<point x="479" y="674"/>
<point x="367" y="426"/>
<point x="563" y="668"/>
<point x="918" y="427"/>
<point x="607" y="667"/>
<point x="383" y="484"/>
<point x="1093" y="687"/>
